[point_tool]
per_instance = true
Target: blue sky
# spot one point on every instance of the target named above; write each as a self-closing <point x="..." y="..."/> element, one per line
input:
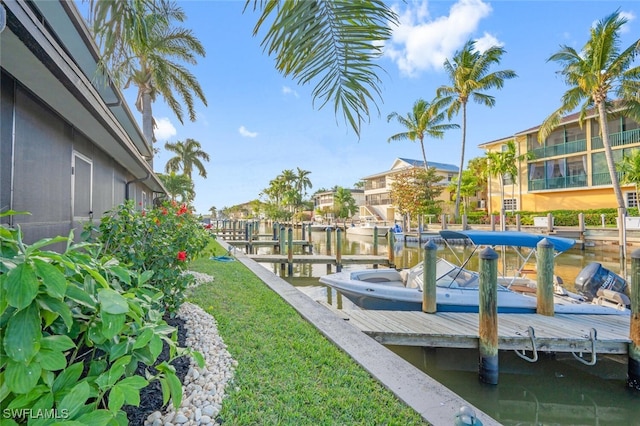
<point x="258" y="123"/>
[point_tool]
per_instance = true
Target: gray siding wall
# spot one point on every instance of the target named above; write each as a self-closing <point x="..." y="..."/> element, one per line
<point x="38" y="159"/>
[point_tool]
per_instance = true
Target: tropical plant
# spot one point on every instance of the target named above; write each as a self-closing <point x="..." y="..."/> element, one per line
<point x="334" y="43"/>
<point x="344" y="205"/>
<point x="599" y="70"/>
<point x="76" y="327"/>
<point x="415" y="192"/>
<point x="160" y="240"/>
<point x="189" y="154"/>
<point x="424" y="119"/>
<point x="469" y="76"/>
<point x="471" y="185"/>
<point x="179" y="187"/>
<point x="504" y="165"/>
<point x="630" y="168"/>
<point x="141" y="46"/>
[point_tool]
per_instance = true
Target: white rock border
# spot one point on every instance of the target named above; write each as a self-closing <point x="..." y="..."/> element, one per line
<point x="203" y="388"/>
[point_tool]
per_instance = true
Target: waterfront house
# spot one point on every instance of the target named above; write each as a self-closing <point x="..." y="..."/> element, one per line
<point x="567" y="170"/>
<point x="377" y="188"/>
<point x="323" y="202"/>
<point x="70" y="147"/>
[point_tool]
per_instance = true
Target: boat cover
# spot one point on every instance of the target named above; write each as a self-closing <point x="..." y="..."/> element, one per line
<point x="509" y="238"/>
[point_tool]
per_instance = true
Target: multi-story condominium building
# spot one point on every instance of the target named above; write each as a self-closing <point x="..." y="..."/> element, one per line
<point x="323" y="202"/>
<point x="567" y="170"/>
<point x="377" y="188"/>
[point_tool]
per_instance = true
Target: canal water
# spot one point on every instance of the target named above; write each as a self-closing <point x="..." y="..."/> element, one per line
<point x="555" y="390"/>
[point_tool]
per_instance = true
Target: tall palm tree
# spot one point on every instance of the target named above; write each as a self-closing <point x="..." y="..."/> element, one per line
<point x="469" y="74"/>
<point x="423" y="120"/>
<point x="302" y="181"/>
<point x="598" y="70"/>
<point x="189" y="154"/>
<point x="503" y="164"/>
<point x="141" y="47"/>
<point x="179" y="187"/>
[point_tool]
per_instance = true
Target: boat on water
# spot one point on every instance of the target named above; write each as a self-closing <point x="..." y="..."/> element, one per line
<point x="366" y="227"/>
<point x="457" y="288"/>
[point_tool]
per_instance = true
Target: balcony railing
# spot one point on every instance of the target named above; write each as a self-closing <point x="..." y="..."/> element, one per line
<point x="576" y="181"/>
<point x="560" y="149"/>
<point x="604" y="178"/>
<point x="617" y="139"/>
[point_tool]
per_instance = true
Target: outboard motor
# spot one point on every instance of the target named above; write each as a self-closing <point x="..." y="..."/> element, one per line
<point x="595" y="281"/>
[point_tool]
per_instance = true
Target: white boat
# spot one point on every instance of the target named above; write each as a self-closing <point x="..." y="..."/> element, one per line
<point x="457" y="289"/>
<point x="367" y="226"/>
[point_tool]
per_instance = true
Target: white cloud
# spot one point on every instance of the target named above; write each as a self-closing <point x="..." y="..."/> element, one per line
<point x="630" y="17"/>
<point x="246" y="133"/>
<point x="164" y="129"/>
<point x="289" y="91"/>
<point x="422" y="42"/>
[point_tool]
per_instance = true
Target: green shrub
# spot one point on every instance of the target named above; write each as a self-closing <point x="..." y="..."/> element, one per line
<point x="74" y="328"/>
<point x="161" y="240"/>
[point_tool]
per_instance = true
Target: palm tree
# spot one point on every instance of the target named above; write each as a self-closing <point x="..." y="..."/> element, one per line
<point x="140" y="46"/>
<point x="504" y="164"/>
<point x="594" y="73"/>
<point x="189" y="154"/>
<point x="344" y="205"/>
<point x="469" y="75"/>
<point x="302" y="181"/>
<point x="630" y="169"/>
<point x="179" y="187"/>
<point x="424" y="119"/>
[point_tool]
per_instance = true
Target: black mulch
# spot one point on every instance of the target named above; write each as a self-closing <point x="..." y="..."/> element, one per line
<point x="151" y="396"/>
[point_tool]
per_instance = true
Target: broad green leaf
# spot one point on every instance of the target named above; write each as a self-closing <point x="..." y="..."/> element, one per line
<point x="51" y="360"/>
<point x="79" y="295"/>
<point x="26" y="400"/>
<point x="57" y="306"/>
<point x="109" y="378"/>
<point x="121" y="273"/>
<point x="21" y="286"/>
<point x="96" y="418"/>
<point x="155" y="346"/>
<point x="96" y="275"/>
<point x="112" y="324"/>
<point x="23" y="334"/>
<point x="75" y="399"/>
<point x="68" y="377"/>
<point x="57" y="343"/>
<point x="118" y="350"/>
<point x="112" y="302"/>
<point x="175" y="387"/>
<point x="144" y="277"/>
<point x="143" y="338"/>
<point x="20" y="377"/>
<point x="53" y="280"/>
<point x="116" y="398"/>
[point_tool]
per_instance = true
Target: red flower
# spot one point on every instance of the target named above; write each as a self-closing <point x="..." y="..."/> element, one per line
<point x="144" y="213"/>
<point x="164" y="211"/>
<point x="182" y="256"/>
<point x="208" y="226"/>
<point x="183" y="210"/>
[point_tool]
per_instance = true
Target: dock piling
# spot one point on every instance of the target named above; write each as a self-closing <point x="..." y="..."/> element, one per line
<point x="633" y="377"/>
<point x="338" y="249"/>
<point x="375" y="240"/>
<point x="544" y="282"/>
<point x="290" y="252"/>
<point x="488" y="316"/>
<point x="429" y="278"/>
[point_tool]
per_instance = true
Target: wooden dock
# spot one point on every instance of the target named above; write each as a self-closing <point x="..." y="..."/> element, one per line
<point x="560" y="333"/>
<point x="273" y="244"/>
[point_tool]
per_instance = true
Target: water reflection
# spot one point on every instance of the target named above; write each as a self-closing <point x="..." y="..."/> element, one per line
<point x="556" y="390"/>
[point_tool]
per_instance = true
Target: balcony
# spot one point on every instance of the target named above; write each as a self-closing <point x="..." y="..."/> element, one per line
<point x="603" y="178"/>
<point x="617" y="139"/>
<point x="576" y="181"/>
<point x="560" y="149"/>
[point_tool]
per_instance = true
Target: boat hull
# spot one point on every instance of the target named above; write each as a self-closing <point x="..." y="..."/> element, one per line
<point x="367" y="231"/>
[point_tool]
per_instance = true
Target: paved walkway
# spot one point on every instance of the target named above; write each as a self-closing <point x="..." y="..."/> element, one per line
<point x="435" y="403"/>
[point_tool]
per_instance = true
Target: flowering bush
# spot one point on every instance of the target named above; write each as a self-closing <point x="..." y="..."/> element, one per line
<point x="161" y="240"/>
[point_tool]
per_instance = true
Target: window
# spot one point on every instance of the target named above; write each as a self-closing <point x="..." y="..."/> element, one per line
<point x="510" y="204"/>
<point x="507" y="179"/>
<point x="631" y="199"/>
<point x="82" y="183"/>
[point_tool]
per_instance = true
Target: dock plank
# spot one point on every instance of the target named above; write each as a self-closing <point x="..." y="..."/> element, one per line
<point x="559" y="333"/>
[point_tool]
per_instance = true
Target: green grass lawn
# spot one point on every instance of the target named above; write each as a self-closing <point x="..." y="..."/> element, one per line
<point x="288" y="373"/>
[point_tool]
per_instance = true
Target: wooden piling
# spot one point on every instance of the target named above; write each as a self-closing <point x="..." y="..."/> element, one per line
<point x="375" y="240"/>
<point x="488" y="316"/>
<point x="290" y="252"/>
<point x="633" y="376"/>
<point x="429" y="278"/>
<point x="282" y="241"/>
<point x="391" y="239"/>
<point x="338" y="250"/>
<point x="545" y="266"/>
<point x="328" y="248"/>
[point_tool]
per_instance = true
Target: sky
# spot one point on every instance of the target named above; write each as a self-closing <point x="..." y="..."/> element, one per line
<point x="258" y="123"/>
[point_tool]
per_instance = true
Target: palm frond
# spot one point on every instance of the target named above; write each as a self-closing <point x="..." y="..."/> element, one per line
<point x="333" y="44"/>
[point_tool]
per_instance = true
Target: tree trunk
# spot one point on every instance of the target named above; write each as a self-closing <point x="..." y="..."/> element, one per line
<point x="456" y="212"/>
<point x="604" y="128"/>
<point x="147" y="122"/>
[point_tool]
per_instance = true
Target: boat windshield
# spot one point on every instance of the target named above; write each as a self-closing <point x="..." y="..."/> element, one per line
<point x="448" y="275"/>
